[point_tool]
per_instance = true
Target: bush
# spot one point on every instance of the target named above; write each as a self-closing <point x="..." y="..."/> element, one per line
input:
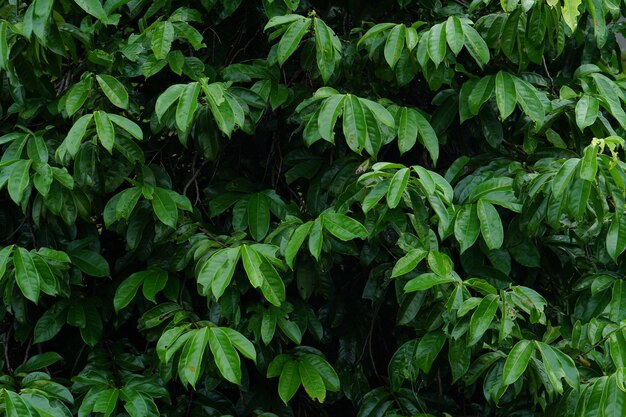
<point x="298" y="208"/>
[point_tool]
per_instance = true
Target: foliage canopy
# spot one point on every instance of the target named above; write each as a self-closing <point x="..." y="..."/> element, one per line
<point x="296" y="208"/>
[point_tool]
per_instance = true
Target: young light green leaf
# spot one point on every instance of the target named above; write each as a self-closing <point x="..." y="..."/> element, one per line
<point x="114" y="90"/>
<point x="571" y="13"/>
<point x="94" y="8"/>
<point x="517" y="361"/>
<point x="394" y="44"/>
<point x="193" y="353"/>
<point x="316" y="238"/>
<point x="129" y="126"/>
<point x="490" y="224"/>
<point x="482" y="318"/>
<point x="242" y="344"/>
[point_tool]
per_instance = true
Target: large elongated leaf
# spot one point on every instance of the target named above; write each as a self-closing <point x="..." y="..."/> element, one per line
<point x="225" y="355"/>
<point x="187" y="105"/>
<point x="26" y="275"/>
<point x="291" y="39"/>
<point x="114" y="90"/>
<point x="490" y="224"/>
<point x="517" y="361"/>
<point x="394" y="45"/>
<point x="344" y="227"/>
<point x="482" y="318"/>
<point x="506" y="96"/>
<point x="105" y="130"/>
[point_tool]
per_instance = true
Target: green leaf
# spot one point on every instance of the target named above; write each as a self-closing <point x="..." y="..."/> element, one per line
<point x="394" y="44"/>
<point x="408" y="262"/>
<point x="291" y="39"/>
<point x="94" y="8"/>
<point x="4" y="46"/>
<point x="76" y="134"/>
<point x="354" y="123"/>
<point x="616" y="237"/>
<point x="289" y="381"/>
<point x="425" y="281"/>
<point x="407" y="129"/>
<point x="589" y="163"/>
<point x="517" y="361"/>
<point x="467" y="226"/>
<point x="187" y="105"/>
<point x="225" y="356"/>
<point x="242" y="344"/>
<point x="217" y="272"/>
<point x="397" y="186"/>
<point x="193" y="353"/>
<point x="15" y="405"/>
<point x="563" y="177"/>
<point x="475" y="45"/>
<point x="90" y="262"/>
<point x="454" y="34"/>
<point x="258" y="216"/>
<point x="4" y="259"/>
<point x="104" y="130"/>
<point x="153" y="283"/>
<point x="114" y="90"/>
<point x="587" y="110"/>
<point x="437" y="43"/>
<point x="482" y="318"/>
<point x="316" y="238"/>
<point x="106" y="401"/>
<point x="571" y="13"/>
<point x="428" y="137"/>
<point x="324" y="49"/>
<point x="26" y="275"/>
<point x="262" y="273"/>
<point x="330" y="110"/>
<point x="506" y="97"/>
<point x="328" y="374"/>
<point x="77" y="95"/>
<point x="19" y="179"/>
<point x="37" y="362"/>
<point x="127" y="290"/>
<point x="343" y="227"/>
<point x="480" y="93"/>
<point x="129" y="126"/>
<point x="428" y="348"/>
<point x="490" y="224"/>
<point x="295" y="242"/>
<point x="162" y="38"/>
<point x="312" y="381"/>
<point x="165" y="207"/>
<point x="167" y="98"/>
<point x="528" y="98"/>
<point x="617" y="306"/>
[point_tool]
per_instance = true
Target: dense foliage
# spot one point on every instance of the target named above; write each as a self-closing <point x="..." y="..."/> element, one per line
<point x="306" y="208"/>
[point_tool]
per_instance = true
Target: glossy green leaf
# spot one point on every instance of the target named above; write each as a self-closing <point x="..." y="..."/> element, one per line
<point x="289" y="381"/>
<point x="104" y="130"/>
<point x="165" y="207"/>
<point x="258" y="215"/>
<point x="295" y="242"/>
<point x="26" y="275"/>
<point x="127" y="290"/>
<point x="114" y="90"/>
<point x="394" y="44"/>
<point x="437" y="43"/>
<point x="162" y="38"/>
<point x="616" y="238"/>
<point x="482" y="318"/>
<point x="506" y="96"/>
<point x="467" y="226"/>
<point x="312" y="381"/>
<point x="408" y="262"/>
<point x="343" y="227"/>
<point x="587" y="110"/>
<point x="291" y="39"/>
<point x="517" y="361"/>
<point x="425" y="281"/>
<point x="454" y="34"/>
<point x="187" y="105"/>
<point x="490" y="224"/>
<point x="225" y="355"/>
